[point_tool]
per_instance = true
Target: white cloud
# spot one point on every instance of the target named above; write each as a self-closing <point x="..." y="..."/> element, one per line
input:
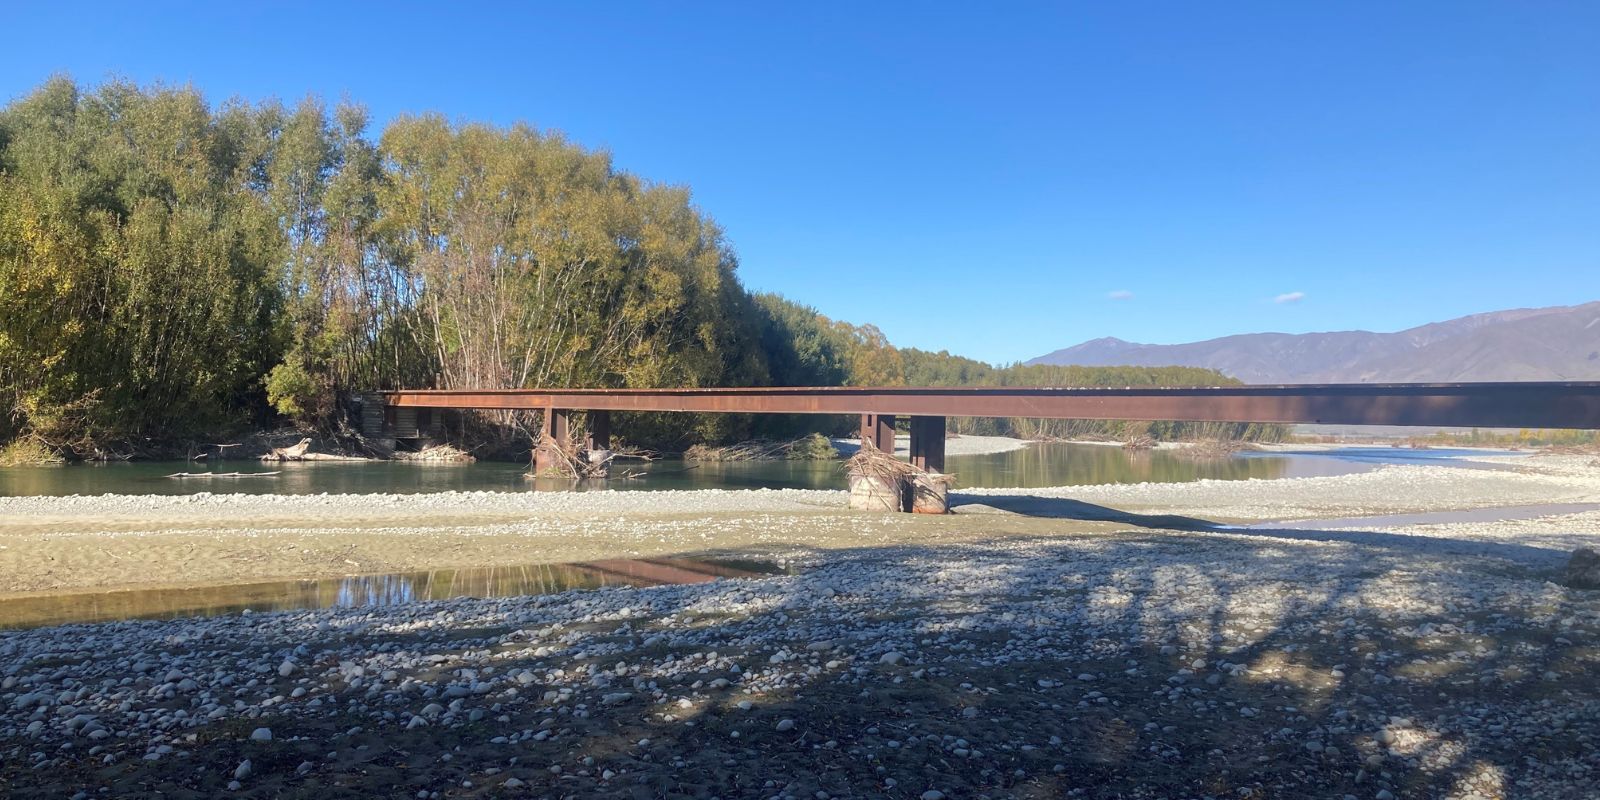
<point x="1289" y="297"/>
<point x="1120" y="294"/>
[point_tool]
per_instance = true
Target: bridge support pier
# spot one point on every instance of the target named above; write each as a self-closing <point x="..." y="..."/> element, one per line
<point x="879" y="430"/>
<point x="874" y="492"/>
<point x="925" y="495"/>
<point x="599" y="430"/>
<point x="554" y="435"/>
<point x="930" y="492"/>
<point x="927" y="443"/>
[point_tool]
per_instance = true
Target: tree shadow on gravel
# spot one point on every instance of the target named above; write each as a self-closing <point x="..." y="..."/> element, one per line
<point x="1065" y="508"/>
<point x="1144" y="664"/>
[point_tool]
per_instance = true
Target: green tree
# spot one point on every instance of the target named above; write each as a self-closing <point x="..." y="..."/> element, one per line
<point x="135" y="251"/>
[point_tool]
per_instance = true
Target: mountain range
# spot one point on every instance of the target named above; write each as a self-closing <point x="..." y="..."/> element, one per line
<point x="1560" y="343"/>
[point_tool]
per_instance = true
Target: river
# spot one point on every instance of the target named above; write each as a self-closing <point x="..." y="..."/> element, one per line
<point x="1035" y="466"/>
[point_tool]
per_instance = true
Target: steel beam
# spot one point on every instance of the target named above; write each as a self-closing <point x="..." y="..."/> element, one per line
<point x="1490" y="405"/>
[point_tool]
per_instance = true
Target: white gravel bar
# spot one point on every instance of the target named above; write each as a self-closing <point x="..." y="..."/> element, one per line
<point x="1093" y="664"/>
<point x="1096" y="642"/>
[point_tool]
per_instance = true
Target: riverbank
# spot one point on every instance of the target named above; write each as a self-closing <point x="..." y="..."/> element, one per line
<point x="59" y="544"/>
<point x="1133" y="662"/>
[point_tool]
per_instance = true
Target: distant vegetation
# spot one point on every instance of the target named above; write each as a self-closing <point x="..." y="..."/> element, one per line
<point x="169" y="269"/>
<point x="1577" y="440"/>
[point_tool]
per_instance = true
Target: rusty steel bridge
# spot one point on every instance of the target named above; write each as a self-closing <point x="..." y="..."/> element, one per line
<point x="1486" y="405"/>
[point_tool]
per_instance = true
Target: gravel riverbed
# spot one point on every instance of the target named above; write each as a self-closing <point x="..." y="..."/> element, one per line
<point x="1102" y="642"/>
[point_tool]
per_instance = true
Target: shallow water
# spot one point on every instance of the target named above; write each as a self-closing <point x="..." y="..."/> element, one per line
<point x="369" y="590"/>
<point x="1035" y="466"/>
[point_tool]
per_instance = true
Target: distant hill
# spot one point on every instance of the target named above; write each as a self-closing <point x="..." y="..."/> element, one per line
<point x="1525" y="344"/>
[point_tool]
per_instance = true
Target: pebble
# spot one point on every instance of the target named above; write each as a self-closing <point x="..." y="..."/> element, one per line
<point x="785" y="725"/>
<point x="261" y="735"/>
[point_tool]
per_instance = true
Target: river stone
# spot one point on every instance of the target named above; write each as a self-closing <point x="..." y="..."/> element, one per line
<point x="1583" y="569"/>
<point x="261" y="735"/>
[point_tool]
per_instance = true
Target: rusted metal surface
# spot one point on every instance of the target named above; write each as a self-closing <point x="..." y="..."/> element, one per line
<point x="1497" y="405"/>
<point x="927" y="443"/>
<point x="560" y="426"/>
<point x="599" y="430"/>
<point x="878" y="429"/>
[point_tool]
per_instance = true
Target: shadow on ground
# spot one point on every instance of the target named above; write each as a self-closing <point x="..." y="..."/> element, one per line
<point x="1066" y="508"/>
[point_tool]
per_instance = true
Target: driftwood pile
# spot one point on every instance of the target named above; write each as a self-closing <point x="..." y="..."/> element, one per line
<point x="1139" y="442"/>
<point x="223" y="474"/>
<point x="1213" y="449"/>
<point x="881" y="482"/>
<point x="757" y="450"/>
<point x="815" y="447"/>
<point x="300" y="451"/>
<point x="553" y="458"/>
<point x="439" y="453"/>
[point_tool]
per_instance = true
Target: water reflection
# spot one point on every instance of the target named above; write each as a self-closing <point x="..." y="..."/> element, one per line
<point x="369" y="590"/>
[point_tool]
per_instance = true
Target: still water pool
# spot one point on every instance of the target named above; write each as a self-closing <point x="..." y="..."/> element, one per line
<point x="360" y="591"/>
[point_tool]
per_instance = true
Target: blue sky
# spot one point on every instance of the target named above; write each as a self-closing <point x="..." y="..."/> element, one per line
<point x="998" y="183"/>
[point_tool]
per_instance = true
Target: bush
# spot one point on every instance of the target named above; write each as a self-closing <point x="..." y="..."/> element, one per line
<point x="28" y="451"/>
<point x="815" y="447"/>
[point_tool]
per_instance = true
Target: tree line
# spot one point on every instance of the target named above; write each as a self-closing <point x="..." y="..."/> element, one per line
<point x="171" y="269"/>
